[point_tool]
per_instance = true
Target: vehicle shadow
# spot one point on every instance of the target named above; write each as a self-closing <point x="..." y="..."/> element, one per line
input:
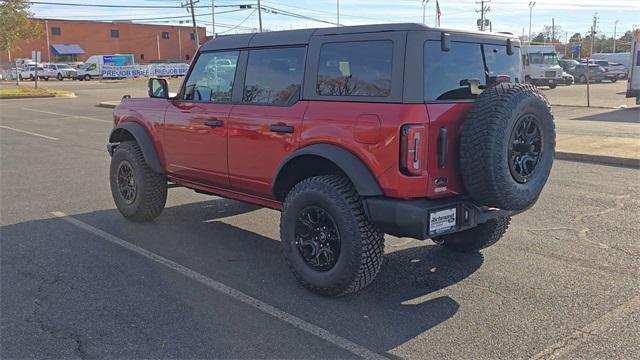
<point x="629" y="115"/>
<point x="404" y="301"/>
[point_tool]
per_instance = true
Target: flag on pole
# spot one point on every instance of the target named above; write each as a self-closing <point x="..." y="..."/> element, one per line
<point x="438" y="12"/>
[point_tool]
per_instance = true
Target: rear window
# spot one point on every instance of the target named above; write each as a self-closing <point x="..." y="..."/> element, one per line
<point x="359" y="68"/>
<point x="446" y="72"/>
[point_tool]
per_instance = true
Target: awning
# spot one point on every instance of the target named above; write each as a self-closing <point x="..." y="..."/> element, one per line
<point x="66" y="49"/>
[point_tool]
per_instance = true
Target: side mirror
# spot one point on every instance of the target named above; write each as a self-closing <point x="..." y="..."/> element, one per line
<point x="509" y="47"/>
<point x="158" y="88"/>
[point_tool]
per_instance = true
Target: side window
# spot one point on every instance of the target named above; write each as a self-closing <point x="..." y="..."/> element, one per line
<point x="446" y="71"/>
<point x="500" y="63"/>
<point x="212" y="77"/>
<point x="274" y="76"/>
<point x="358" y="68"/>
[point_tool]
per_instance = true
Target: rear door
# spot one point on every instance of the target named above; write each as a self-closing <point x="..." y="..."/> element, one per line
<point x="196" y="127"/>
<point x="265" y="127"/>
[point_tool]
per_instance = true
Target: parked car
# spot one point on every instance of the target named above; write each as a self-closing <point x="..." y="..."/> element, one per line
<point x="594" y="73"/>
<point x="613" y="71"/>
<point x="59" y="71"/>
<point x="349" y="137"/>
<point x="29" y="72"/>
<point x="567" y="79"/>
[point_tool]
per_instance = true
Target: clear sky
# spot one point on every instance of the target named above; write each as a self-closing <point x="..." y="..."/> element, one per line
<point x="506" y="15"/>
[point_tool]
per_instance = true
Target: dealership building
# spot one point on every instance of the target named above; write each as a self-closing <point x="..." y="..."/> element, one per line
<point x="76" y="40"/>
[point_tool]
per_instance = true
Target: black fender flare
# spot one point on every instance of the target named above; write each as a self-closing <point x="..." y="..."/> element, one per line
<point x="142" y="137"/>
<point x="358" y="173"/>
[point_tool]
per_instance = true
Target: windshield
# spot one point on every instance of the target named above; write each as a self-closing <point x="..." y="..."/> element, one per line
<point x="546" y="58"/>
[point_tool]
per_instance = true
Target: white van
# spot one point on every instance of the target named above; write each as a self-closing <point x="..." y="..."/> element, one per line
<point x="540" y="65"/>
<point x="92" y="67"/>
<point x="633" y="84"/>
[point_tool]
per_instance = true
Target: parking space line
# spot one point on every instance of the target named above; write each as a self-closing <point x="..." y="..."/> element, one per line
<point x="29" y="133"/>
<point x="68" y="115"/>
<point x="591" y="331"/>
<point x="229" y="291"/>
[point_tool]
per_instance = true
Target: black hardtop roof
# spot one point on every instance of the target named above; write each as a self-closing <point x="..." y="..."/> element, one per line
<point x="303" y="36"/>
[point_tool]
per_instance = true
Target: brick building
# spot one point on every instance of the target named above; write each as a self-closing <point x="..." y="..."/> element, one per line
<point x="83" y="38"/>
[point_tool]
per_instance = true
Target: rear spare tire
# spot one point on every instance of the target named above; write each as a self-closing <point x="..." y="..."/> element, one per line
<point x="507" y="146"/>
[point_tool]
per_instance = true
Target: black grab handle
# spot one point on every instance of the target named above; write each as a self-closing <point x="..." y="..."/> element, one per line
<point x="282" y="128"/>
<point x="214" y="122"/>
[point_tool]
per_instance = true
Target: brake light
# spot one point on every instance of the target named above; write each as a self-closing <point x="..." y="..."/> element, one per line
<point x="412" y="139"/>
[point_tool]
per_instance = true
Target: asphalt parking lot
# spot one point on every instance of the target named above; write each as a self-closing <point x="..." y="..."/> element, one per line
<point x="207" y="280"/>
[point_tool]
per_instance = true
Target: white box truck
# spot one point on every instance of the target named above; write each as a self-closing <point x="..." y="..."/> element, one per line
<point x="633" y="84"/>
<point x="540" y="65"/>
<point x="92" y="68"/>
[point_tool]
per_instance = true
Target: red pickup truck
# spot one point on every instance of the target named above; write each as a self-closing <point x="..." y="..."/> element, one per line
<point x="351" y="133"/>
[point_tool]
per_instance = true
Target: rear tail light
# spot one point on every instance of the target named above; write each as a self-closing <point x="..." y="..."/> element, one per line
<point x="412" y="140"/>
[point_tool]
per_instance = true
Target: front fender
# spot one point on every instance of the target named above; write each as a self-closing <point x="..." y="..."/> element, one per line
<point x="142" y="137"/>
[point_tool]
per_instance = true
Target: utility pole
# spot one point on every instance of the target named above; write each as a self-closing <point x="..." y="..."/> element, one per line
<point x="46" y="29"/>
<point x="259" y="16"/>
<point x="213" y="18"/>
<point x="424" y="11"/>
<point x="338" y="12"/>
<point x="553" y="30"/>
<point x="531" y="5"/>
<point x="615" y="25"/>
<point x="483" y="10"/>
<point x="189" y="5"/>
<point x="593" y="32"/>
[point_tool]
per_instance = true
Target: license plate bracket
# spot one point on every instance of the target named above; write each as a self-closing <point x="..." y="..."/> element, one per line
<point x="442" y="221"/>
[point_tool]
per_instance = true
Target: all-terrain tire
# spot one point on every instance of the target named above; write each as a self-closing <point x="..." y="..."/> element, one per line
<point x="477" y="238"/>
<point x="361" y="243"/>
<point x="487" y="154"/>
<point x="151" y="187"/>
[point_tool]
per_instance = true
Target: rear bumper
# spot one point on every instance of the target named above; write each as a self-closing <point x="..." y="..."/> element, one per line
<point x="410" y="218"/>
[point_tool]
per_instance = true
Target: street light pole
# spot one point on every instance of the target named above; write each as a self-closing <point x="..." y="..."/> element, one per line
<point x="213" y="19"/>
<point x="615" y="25"/>
<point x="531" y="5"/>
<point x="338" y="12"/>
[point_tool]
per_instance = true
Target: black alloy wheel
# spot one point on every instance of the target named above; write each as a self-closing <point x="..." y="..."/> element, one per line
<point x="526" y="146"/>
<point x="317" y="238"/>
<point x="127" y="182"/>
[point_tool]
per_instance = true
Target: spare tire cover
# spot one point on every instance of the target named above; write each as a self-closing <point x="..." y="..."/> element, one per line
<point x="507" y="146"/>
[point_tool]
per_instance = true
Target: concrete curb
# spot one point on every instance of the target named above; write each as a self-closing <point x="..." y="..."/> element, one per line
<point x="70" y="95"/>
<point x="594" y="106"/>
<point x="109" y="104"/>
<point x="599" y="159"/>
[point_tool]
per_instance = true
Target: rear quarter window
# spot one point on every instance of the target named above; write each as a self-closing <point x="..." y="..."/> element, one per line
<point x="358" y="68"/>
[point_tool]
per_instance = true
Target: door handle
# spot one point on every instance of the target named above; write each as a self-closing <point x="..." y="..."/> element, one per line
<point x="214" y="122"/>
<point x="282" y="129"/>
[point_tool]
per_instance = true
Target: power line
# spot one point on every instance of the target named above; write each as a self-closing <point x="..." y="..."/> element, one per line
<point x="122" y="6"/>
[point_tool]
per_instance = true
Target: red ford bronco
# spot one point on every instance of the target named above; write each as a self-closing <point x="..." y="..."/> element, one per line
<point x="351" y="132"/>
